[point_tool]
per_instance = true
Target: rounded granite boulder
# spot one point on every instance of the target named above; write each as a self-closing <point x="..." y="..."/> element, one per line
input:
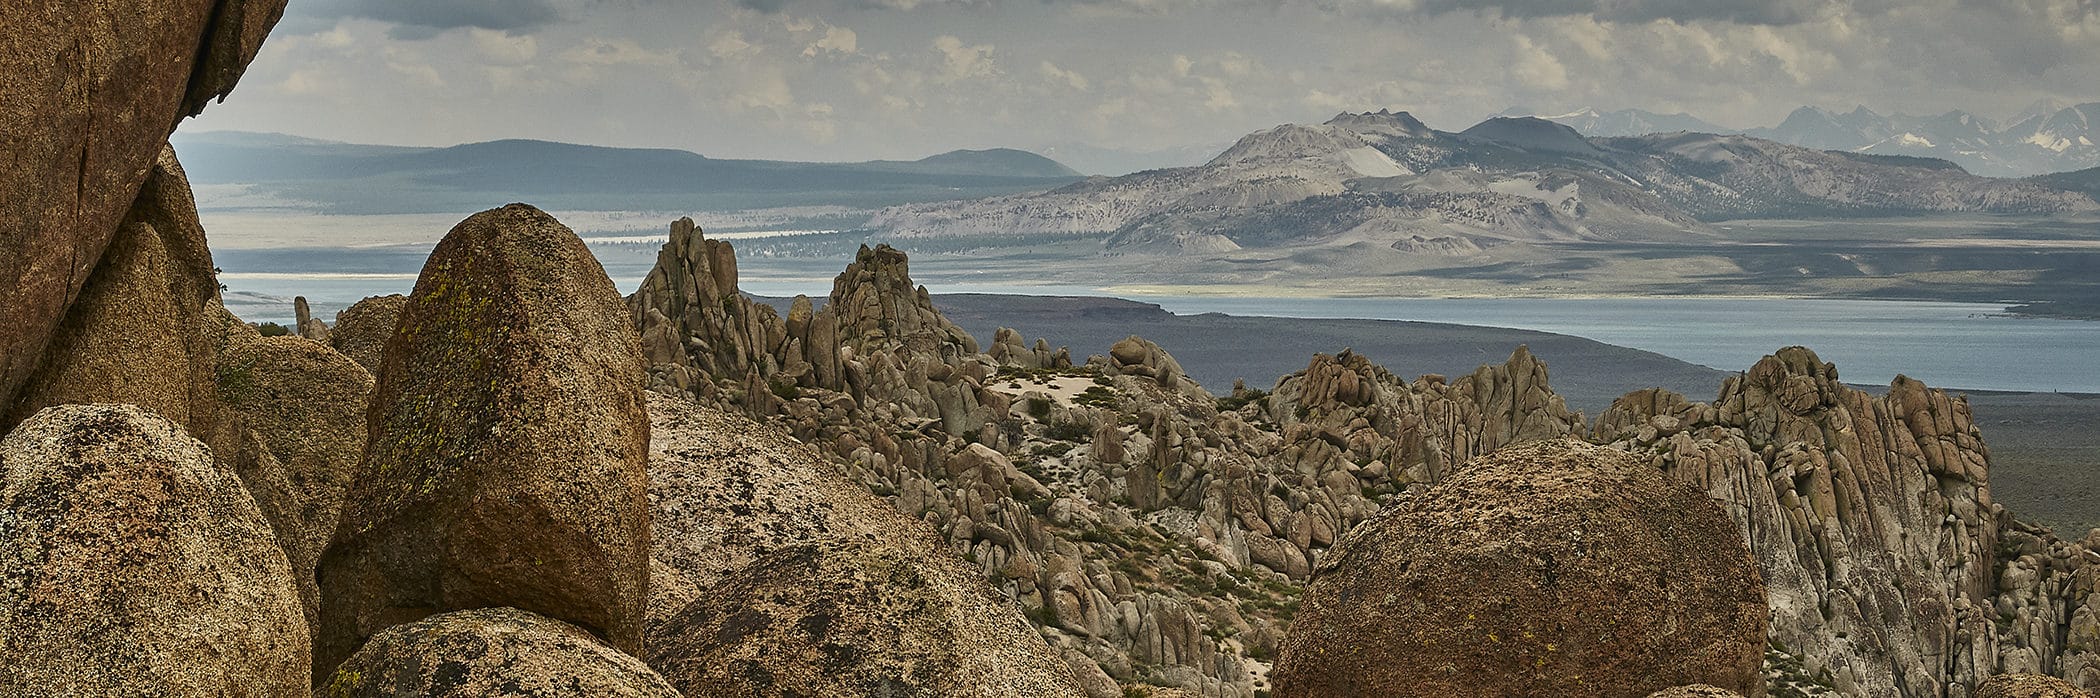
<point x="1554" y="568"/>
<point x="132" y="564"/>
<point x="491" y="652"/>
<point x="2029" y="686"/>
<point x="362" y="329"/>
<point x="508" y="447"/>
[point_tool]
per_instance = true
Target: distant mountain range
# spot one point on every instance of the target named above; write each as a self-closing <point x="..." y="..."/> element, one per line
<point x="1388" y="179"/>
<point x="354" y="178"/>
<point x="2045" y="138"/>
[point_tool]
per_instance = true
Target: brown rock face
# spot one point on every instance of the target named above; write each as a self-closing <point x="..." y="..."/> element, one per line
<point x="131" y="564"/>
<point x="508" y="446"/>
<point x="301" y="410"/>
<point x="794" y="581"/>
<point x="91" y="90"/>
<point x="2029" y="686"/>
<point x="135" y="334"/>
<point x="362" y="329"/>
<point x="286" y="415"/>
<point x="1547" y="569"/>
<point x="491" y="652"/>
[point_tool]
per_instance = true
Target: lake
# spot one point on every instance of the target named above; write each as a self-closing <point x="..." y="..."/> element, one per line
<point x="1957" y="345"/>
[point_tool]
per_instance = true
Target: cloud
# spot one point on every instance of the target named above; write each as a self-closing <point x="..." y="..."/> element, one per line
<point x="597" y="51"/>
<point x="960" y="61"/>
<point x="1054" y="74"/>
<point x="422" y="19"/>
<point x="835" y="40"/>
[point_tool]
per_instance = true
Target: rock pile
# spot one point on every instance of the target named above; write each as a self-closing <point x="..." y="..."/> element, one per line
<point x="788" y="579"/>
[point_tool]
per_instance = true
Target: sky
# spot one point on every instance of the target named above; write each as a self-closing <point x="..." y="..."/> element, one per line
<point x="866" y="79"/>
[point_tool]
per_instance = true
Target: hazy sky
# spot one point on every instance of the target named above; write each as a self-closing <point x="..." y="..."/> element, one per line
<point x="859" y="79"/>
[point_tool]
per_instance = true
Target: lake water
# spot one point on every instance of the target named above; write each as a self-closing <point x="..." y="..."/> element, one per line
<point x="1956" y="345"/>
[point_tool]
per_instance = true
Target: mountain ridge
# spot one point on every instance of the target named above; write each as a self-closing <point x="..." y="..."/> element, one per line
<point x="2047" y="137"/>
<point x="1384" y="178"/>
<point x="362" y="178"/>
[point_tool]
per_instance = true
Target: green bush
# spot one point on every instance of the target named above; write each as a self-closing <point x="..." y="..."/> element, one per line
<point x="1068" y="431"/>
<point x="271" y="329"/>
<point x="1232" y="403"/>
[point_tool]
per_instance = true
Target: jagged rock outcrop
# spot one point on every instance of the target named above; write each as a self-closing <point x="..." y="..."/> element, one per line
<point x="304" y="323"/>
<point x="2048" y="617"/>
<point x="361" y="330"/>
<point x="1146" y="531"/>
<point x="1870" y="516"/>
<point x="792" y="580"/>
<point x="1420" y="431"/>
<point x="92" y="90"/>
<point x="1009" y="348"/>
<point x="491" y="652"/>
<point x="1550" y="568"/>
<point x="2029" y="686"/>
<point x="132" y="564"/>
<point x="508" y="447"/>
<point x="695" y="323"/>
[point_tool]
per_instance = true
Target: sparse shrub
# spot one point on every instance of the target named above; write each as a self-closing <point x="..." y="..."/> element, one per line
<point x="1097" y="396"/>
<point x="271" y="329"/>
<point x="1038" y="408"/>
<point x="1067" y="431"/>
<point x="1232" y="403"/>
<point x="785" y="390"/>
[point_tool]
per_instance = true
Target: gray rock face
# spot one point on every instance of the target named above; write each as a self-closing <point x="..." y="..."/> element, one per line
<point x="132" y="564"/>
<point x="508" y="447"/>
<point x="1870" y="517"/>
<point x="92" y="90"/>
<point x="491" y="652"/>
<point x="306" y="325"/>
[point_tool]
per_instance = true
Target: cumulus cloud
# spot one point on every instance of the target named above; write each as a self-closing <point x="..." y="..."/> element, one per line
<point x="1057" y="75"/>
<point x="835" y="40"/>
<point x="961" y="61"/>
